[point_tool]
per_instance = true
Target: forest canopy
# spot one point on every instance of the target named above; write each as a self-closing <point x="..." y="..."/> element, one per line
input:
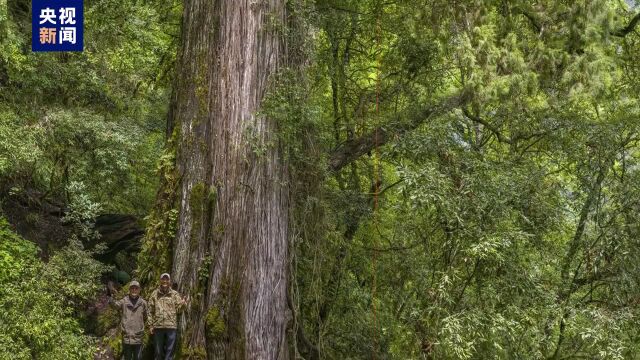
<point x="376" y="179"/>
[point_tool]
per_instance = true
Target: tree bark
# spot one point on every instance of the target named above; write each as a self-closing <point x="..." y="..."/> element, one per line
<point x="230" y="249"/>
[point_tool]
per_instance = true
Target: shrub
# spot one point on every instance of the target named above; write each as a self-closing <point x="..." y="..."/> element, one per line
<point x="37" y="299"/>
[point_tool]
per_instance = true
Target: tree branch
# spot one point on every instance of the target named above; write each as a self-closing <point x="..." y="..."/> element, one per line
<point x="351" y="150"/>
<point x="533" y="19"/>
<point x="622" y="32"/>
<point x="501" y="137"/>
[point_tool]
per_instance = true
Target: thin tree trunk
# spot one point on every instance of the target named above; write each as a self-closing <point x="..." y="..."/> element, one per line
<point x="230" y="250"/>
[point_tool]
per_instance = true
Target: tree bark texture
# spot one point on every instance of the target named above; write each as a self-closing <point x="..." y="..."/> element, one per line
<point x="230" y="250"/>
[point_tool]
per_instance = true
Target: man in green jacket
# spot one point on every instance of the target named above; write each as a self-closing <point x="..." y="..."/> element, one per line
<point x="134" y="313"/>
<point x="164" y="305"/>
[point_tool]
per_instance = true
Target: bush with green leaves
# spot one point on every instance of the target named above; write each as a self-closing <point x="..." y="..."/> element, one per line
<point x="39" y="299"/>
<point x="96" y="116"/>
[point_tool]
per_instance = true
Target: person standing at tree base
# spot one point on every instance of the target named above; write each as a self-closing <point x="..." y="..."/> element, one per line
<point x="164" y="306"/>
<point x="134" y="313"/>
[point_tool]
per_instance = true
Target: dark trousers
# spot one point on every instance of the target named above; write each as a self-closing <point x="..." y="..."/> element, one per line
<point x="164" y="341"/>
<point x="132" y="352"/>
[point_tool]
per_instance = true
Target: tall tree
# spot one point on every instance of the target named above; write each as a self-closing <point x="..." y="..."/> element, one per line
<point x="229" y="184"/>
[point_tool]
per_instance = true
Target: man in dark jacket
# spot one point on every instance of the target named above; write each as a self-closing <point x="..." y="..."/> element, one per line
<point x="134" y="315"/>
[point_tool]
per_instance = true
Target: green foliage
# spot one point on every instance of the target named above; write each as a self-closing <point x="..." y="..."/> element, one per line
<point x="500" y="224"/>
<point x="95" y="117"/>
<point x="504" y="219"/>
<point x="193" y="353"/>
<point x="295" y="112"/>
<point x="75" y="273"/>
<point x="214" y="323"/>
<point x="38" y="300"/>
<point x="82" y="212"/>
<point x="155" y="255"/>
<point x="79" y="152"/>
<point x="198" y="205"/>
<point x="203" y="273"/>
<point x="108" y="320"/>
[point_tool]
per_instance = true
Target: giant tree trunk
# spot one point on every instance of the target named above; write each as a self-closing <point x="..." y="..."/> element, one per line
<point x="230" y="249"/>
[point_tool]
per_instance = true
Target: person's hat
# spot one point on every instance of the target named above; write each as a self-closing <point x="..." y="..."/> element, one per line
<point x="165" y="275"/>
<point x="134" y="283"/>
